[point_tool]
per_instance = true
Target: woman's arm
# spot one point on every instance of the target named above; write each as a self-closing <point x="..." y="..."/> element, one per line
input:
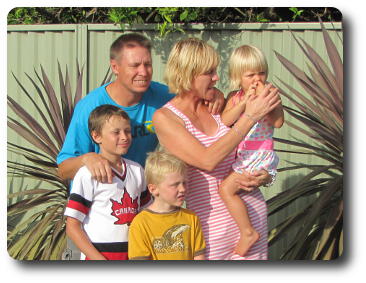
<point x="81" y="240"/>
<point x="178" y="141"/>
<point x="250" y="181"/>
<point x="174" y="137"/>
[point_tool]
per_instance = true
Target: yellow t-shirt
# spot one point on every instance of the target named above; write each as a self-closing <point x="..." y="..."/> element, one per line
<point x="175" y="235"/>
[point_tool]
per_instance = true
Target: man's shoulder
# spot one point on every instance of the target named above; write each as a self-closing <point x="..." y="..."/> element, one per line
<point x="94" y="97"/>
<point x="157" y="85"/>
<point x="160" y="91"/>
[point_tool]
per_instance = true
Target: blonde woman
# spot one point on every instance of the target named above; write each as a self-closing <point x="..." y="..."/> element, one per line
<point x="187" y="130"/>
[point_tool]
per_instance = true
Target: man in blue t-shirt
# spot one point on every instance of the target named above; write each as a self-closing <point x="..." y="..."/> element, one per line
<point x="135" y="93"/>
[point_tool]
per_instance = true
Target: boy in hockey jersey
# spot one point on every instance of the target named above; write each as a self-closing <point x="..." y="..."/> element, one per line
<point x="164" y="230"/>
<point x="99" y="214"/>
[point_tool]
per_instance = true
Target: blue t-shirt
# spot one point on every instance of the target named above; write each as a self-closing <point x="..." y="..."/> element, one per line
<point x="78" y="140"/>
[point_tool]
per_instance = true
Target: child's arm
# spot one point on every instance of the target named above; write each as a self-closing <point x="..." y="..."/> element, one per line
<point x="276" y="117"/>
<point x="199" y="257"/>
<point x="232" y="112"/>
<point x="199" y="241"/>
<point x="81" y="240"/>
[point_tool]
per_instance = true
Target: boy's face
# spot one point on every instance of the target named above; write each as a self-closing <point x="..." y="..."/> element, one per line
<point x="115" y="137"/>
<point x="170" y="193"/>
<point x="250" y="77"/>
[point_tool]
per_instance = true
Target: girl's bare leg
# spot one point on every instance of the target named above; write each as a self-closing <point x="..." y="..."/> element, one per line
<point x="248" y="236"/>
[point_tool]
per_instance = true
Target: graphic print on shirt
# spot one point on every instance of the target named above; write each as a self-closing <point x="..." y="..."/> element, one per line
<point x="150" y="126"/>
<point x="125" y="210"/>
<point x="172" y="240"/>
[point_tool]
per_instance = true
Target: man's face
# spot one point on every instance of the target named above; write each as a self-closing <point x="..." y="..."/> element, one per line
<point x="134" y="70"/>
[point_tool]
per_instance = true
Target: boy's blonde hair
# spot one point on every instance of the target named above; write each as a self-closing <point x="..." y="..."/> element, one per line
<point x="189" y="58"/>
<point x="102" y="114"/>
<point x="159" y="164"/>
<point x="245" y="58"/>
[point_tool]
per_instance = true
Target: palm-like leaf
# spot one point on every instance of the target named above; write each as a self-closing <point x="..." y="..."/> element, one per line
<point x="36" y="228"/>
<point x="319" y="225"/>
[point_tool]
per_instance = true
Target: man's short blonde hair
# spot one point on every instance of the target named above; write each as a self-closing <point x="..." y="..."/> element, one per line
<point x="189" y="58"/>
<point x="159" y="164"/>
<point x="245" y="58"/>
<point x="128" y="40"/>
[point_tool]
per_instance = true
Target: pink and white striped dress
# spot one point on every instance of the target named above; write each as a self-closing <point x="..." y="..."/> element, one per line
<point x="219" y="228"/>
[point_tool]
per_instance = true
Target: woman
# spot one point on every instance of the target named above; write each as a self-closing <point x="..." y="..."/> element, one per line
<point x="186" y="129"/>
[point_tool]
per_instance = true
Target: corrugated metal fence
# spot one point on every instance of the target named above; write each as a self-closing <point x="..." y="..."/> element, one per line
<point x="34" y="45"/>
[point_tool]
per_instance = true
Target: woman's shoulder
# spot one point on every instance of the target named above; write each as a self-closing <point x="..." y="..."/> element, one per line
<point x="166" y="113"/>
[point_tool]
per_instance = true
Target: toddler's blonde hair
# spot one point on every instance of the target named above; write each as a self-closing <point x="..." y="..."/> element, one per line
<point x="245" y="58"/>
<point x="159" y="164"/>
<point x="189" y="58"/>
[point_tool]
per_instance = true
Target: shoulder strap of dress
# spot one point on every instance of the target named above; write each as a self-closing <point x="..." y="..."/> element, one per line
<point x="172" y="108"/>
<point x="237" y="96"/>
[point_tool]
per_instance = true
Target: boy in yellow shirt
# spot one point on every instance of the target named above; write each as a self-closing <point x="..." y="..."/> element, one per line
<point x="164" y="230"/>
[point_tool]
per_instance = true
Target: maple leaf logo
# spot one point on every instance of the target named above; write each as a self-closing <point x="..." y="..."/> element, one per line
<point x="125" y="210"/>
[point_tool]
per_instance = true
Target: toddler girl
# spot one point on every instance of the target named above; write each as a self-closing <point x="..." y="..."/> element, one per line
<point x="248" y="71"/>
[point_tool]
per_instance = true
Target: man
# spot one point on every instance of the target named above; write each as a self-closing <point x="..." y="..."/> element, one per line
<point x="135" y="93"/>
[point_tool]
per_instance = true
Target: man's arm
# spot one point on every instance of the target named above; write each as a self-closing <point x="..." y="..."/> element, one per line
<point x="98" y="166"/>
<point x="217" y="104"/>
<point x="78" y="149"/>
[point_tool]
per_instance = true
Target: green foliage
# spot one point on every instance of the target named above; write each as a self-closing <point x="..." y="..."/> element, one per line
<point x="168" y="15"/>
<point x="320" y="223"/>
<point x="296" y="12"/>
<point x="261" y="19"/>
<point x="24" y="15"/>
<point x="127" y="15"/>
<point x="53" y="15"/>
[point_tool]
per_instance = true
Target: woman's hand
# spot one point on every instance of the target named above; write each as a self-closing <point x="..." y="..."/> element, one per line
<point x="251" y="181"/>
<point x="262" y="103"/>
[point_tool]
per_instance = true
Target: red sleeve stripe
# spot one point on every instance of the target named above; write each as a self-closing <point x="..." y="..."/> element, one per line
<point x="78" y="206"/>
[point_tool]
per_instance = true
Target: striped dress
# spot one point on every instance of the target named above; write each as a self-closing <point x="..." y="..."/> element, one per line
<point x="219" y="228"/>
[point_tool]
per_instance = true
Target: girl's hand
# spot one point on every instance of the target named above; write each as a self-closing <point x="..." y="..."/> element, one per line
<point x="251" y="90"/>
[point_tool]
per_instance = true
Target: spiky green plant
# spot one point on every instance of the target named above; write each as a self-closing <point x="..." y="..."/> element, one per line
<point x="36" y="229"/>
<point x="319" y="225"/>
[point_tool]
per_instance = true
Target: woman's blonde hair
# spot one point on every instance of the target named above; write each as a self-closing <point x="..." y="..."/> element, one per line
<point x="159" y="164"/>
<point x="245" y="58"/>
<point x="189" y="58"/>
